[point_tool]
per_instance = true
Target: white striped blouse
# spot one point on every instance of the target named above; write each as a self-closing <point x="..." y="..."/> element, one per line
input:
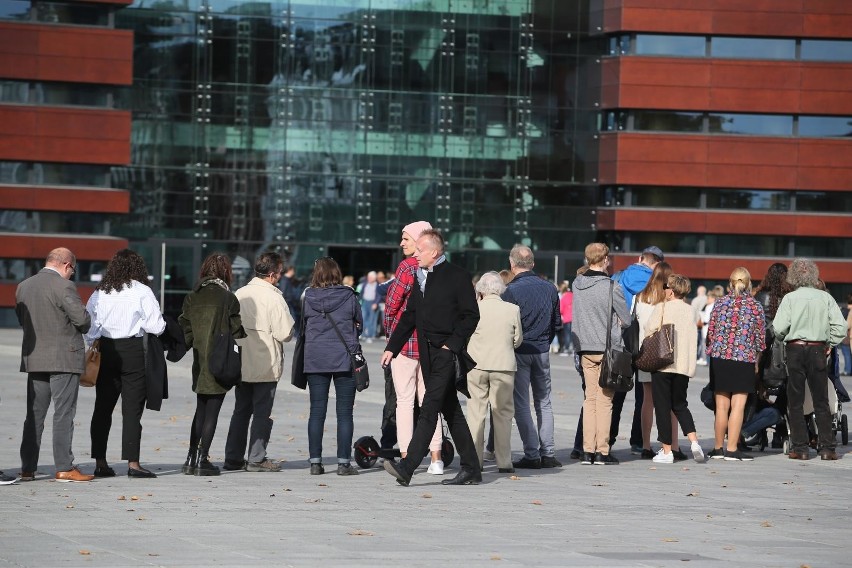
<point x="129" y="313"/>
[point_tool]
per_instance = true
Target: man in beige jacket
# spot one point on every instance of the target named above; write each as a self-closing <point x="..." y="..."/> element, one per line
<point x="268" y="324"/>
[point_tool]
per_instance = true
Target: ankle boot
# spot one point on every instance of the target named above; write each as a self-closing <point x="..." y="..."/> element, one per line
<point x="191" y="463"/>
<point x="204" y="467"/>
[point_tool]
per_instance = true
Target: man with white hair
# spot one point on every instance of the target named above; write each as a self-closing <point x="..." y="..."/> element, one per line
<point x="540" y="317"/>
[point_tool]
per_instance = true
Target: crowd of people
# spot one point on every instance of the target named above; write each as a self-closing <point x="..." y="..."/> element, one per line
<point x="489" y="338"/>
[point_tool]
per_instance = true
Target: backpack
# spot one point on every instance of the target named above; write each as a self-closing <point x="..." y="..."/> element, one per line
<point x="775" y="374"/>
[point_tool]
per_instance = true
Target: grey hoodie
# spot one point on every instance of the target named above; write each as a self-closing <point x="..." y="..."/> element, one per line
<point x="591" y="300"/>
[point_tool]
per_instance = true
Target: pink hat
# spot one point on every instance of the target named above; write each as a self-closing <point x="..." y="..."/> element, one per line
<point x="416" y="229"/>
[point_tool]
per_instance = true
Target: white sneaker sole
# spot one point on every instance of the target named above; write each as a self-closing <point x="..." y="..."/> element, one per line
<point x="698" y="455"/>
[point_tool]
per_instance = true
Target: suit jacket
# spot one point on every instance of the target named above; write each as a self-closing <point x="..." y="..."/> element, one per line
<point x="54" y="321"/>
<point x="445" y="314"/>
<point x="497" y="336"/>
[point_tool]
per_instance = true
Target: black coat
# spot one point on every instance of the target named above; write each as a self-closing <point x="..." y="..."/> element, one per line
<point x="156" y="373"/>
<point x="446" y="314"/>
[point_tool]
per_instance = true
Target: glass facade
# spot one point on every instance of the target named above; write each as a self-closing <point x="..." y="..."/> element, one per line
<point x="313" y="125"/>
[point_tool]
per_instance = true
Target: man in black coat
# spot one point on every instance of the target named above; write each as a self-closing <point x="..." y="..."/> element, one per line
<point x="444" y="311"/>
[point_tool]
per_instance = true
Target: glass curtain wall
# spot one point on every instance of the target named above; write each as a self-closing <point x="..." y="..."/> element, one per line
<point x="311" y="124"/>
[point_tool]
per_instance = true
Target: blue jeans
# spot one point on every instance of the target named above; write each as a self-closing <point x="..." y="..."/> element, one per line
<point x="847" y="358"/>
<point x="344" y="389"/>
<point x="534" y="371"/>
<point x="370" y="317"/>
<point x="760" y="421"/>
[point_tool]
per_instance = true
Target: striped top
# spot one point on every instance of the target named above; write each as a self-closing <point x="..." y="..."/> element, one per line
<point x="129" y="313"/>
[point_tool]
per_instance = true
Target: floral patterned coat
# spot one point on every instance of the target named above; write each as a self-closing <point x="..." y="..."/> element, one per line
<point x="737" y="329"/>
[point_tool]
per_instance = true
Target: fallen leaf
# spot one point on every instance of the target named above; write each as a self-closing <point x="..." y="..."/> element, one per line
<point x="149" y="494"/>
<point x="321" y="485"/>
<point x="709" y="516"/>
<point x="766" y="524"/>
<point x="291" y="438"/>
<point x="495" y="557"/>
<point x="670" y="539"/>
<point x="272" y="494"/>
<point x="156" y="449"/>
<point x="140" y="518"/>
<point x="728" y="548"/>
<point x="153" y="554"/>
<point x="536" y="502"/>
<point x="69" y="506"/>
<point x="599" y="485"/>
<point x="311" y="500"/>
<point x="692" y="494"/>
<point x="122" y="498"/>
<point x="652" y="467"/>
<point x="285" y="489"/>
<point x="684" y="469"/>
<point x="514" y="477"/>
<point x="427" y="495"/>
<point x="723" y="486"/>
<point x="359" y="532"/>
<point x="173" y="418"/>
<point x="134" y="498"/>
<point x="85" y="552"/>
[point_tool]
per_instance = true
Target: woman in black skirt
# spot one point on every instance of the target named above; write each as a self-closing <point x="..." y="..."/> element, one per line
<point x="736" y="336"/>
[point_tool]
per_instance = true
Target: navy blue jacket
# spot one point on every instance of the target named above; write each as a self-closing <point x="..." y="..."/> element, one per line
<point x="539" y="304"/>
<point x="324" y="353"/>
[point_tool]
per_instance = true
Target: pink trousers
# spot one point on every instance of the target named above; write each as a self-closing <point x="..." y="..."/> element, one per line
<point x="408" y="381"/>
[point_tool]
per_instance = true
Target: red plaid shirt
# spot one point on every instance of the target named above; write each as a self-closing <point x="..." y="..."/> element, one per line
<point x="397" y="298"/>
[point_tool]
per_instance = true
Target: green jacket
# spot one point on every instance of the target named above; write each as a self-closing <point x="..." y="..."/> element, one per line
<point x="203" y="317"/>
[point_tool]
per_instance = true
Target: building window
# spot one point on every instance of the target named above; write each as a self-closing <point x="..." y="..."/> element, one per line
<point x="15" y="10"/>
<point x="825" y="126"/>
<point x="39" y="93"/>
<point x="758" y="124"/>
<point x="748" y="199"/>
<point x="826" y="50"/>
<point x="827" y="201"/>
<point x="753" y="48"/>
<point x="35" y="173"/>
<point x="678" y="46"/>
<point x="66" y="13"/>
<point x="669" y="121"/>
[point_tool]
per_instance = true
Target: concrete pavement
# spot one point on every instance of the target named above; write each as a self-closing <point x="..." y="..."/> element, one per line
<point x="770" y="512"/>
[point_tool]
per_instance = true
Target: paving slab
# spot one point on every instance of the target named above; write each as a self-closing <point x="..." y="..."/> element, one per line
<point x="769" y="512"/>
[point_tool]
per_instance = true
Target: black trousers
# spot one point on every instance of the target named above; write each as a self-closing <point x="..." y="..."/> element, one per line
<point x="806" y="368"/>
<point x="670" y="396"/>
<point x="441" y="397"/>
<point x="122" y="374"/>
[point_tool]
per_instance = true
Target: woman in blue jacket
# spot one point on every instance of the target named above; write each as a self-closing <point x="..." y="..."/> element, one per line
<point x="327" y="359"/>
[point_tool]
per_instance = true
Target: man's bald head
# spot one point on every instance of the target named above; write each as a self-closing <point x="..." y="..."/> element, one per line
<point x="62" y="260"/>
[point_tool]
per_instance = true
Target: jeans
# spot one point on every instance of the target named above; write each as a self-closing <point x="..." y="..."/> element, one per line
<point x="847" y="358"/>
<point x="760" y="421"/>
<point x="62" y="388"/>
<point x="534" y="371"/>
<point x="253" y="403"/>
<point x="370" y="317"/>
<point x="806" y="367"/>
<point x="344" y="390"/>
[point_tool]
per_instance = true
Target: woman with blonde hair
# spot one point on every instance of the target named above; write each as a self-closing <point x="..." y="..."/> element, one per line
<point x="736" y="336"/>
<point x="670" y="383"/>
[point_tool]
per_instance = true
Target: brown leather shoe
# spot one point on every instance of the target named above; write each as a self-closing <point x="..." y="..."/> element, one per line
<point x="794" y="455"/>
<point x="74" y="475"/>
<point x="828" y="455"/>
<point x="27" y="476"/>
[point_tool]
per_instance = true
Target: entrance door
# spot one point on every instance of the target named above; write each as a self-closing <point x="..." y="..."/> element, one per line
<point x="359" y="261"/>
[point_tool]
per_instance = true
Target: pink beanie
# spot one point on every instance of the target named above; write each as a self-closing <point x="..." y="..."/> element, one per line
<point x="416" y="229"/>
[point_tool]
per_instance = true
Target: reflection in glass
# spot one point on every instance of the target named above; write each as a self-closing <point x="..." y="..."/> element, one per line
<point x="826" y="50"/>
<point x="672" y="45"/>
<point x="761" y="124"/>
<point x="36" y="173"/>
<point x="670" y="121"/>
<point x="825" y="126"/>
<point x="829" y="248"/>
<point x="15" y="10"/>
<point x="824" y="201"/>
<point x="752" y="48"/>
<point x="749" y="199"/>
<point x="67" y="13"/>
<point x="758" y="245"/>
<point x="650" y="196"/>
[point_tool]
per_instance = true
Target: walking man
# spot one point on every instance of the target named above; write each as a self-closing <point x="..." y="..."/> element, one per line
<point x="53" y="356"/>
<point x="444" y="312"/>
<point x="268" y="324"/>
<point x="540" y="319"/>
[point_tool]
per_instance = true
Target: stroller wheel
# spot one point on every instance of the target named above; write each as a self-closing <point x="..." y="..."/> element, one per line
<point x="844" y="430"/>
<point x="448" y="452"/>
<point x="366" y="451"/>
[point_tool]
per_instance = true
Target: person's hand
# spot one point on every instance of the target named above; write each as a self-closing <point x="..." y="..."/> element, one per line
<point x="445" y="347"/>
<point x="375" y="307"/>
<point x="387" y="356"/>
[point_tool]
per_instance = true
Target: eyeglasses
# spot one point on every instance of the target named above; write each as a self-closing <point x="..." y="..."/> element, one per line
<point x="72" y="267"/>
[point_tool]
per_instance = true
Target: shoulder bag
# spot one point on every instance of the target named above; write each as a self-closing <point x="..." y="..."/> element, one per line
<point x="359" y="363"/>
<point x="298" y="377"/>
<point x="657" y="351"/>
<point x="616" y="366"/>
<point x="775" y="374"/>
<point x="631" y="338"/>
<point x="93" y="365"/>
<point x="224" y="361"/>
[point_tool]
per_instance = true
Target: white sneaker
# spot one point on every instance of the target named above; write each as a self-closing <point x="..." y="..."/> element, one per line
<point x="697" y="452"/>
<point x="487" y="456"/>
<point x="702" y="362"/>
<point x="663" y="457"/>
<point x="436" y="468"/>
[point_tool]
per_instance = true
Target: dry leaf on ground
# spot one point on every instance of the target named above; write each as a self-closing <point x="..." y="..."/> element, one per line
<point x="360" y="532"/>
<point x="85" y="552"/>
<point x="427" y="495"/>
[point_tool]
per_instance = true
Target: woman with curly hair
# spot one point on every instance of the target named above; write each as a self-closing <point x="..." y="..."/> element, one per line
<point x="210" y="308"/>
<point x="123" y="309"/>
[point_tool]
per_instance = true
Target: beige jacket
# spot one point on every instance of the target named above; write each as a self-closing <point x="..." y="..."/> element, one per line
<point x="681" y="315"/>
<point x="497" y="335"/>
<point x="268" y="324"/>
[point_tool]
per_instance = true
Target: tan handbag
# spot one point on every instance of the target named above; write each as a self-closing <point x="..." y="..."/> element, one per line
<point x="657" y="351"/>
<point x="93" y="365"/>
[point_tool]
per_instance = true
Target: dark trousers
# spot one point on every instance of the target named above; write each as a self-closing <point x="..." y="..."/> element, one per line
<point x="122" y="374"/>
<point x="441" y="397"/>
<point x="389" y="440"/>
<point x="670" y="396"/>
<point x="253" y="404"/>
<point x="344" y="391"/>
<point x="806" y="368"/>
<point x="42" y="388"/>
<point x="207" y="407"/>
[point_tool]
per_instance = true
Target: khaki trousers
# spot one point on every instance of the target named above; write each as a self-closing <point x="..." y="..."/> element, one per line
<point x="597" y="407"/>
<point x="408" y="381"/>
<point x="496" y="387"/>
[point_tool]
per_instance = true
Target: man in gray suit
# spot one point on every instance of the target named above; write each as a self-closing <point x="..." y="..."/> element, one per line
<point x="53" y="356"/>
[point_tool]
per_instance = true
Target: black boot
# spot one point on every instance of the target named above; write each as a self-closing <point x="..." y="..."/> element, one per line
<point x="204" y="467"/>
<point x="191" y="463"/>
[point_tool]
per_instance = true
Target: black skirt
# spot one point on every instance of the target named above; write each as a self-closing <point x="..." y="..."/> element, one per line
<point x="732" y="376"/>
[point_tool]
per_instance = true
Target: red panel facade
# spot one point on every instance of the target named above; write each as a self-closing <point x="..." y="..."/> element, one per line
<point x="66" y="135"/>
<point x="89" y="200"/>
<point x="14" y="245"/>
<point x="7" y="293"/>
<point x="74" y="54"/>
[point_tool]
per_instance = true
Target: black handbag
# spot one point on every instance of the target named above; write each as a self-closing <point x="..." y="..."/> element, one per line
<point x="359" y="363"/>
<point x="298" y="378"/>
<point x="775" y="374"/>
<point x="616" y="366"/>
<point x="631" y="334"/>
<point x="224" y="360"/>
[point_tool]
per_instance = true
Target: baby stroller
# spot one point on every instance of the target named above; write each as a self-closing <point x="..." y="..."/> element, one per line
<point x="837" y="395"/>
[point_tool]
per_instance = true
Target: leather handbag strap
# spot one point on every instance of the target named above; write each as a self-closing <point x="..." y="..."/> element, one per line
<point x="337" y="331"/>
<point x="609" y="316"/>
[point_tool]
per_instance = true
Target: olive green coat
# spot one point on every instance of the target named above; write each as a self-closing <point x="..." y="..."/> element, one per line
<point x="207" y="310"/>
